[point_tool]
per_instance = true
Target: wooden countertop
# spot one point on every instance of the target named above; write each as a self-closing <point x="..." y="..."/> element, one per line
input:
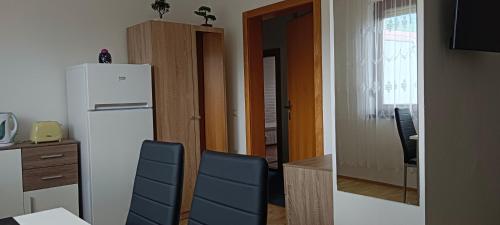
<point x="318" y="163"/>
<point x="29" y="144"/>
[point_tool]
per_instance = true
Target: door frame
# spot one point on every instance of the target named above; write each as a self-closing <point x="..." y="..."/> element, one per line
<point x="254" y="78"/>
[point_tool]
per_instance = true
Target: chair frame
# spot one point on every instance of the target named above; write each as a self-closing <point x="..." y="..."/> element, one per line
<point x="405" y="164"/>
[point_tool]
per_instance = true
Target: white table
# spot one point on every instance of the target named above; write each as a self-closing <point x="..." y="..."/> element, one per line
<point x="57" y="216"/>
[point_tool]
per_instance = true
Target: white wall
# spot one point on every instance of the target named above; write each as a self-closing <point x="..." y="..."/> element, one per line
<point x="40" y="38"/>
<point x="351" y="209"/>
<point x="463" y="132"/>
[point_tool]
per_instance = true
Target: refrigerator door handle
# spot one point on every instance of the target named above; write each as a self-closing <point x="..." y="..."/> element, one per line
<point x="114" y="106"/>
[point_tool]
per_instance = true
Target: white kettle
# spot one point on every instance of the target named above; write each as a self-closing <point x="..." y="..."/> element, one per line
<point x="8" y="129"/>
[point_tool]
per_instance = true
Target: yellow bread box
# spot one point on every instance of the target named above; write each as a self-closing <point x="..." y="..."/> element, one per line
<point x="46" y="131"/>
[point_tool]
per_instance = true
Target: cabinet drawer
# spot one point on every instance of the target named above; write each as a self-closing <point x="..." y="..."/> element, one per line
<point x="41" y="178"/>
<point x="57" y="155"/>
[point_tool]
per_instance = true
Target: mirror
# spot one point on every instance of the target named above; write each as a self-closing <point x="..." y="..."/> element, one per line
<point x="376" y="94"/>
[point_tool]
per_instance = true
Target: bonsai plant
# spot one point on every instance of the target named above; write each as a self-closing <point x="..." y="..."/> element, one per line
<point x="204" y="11"/>
<point x="161" y="6"/>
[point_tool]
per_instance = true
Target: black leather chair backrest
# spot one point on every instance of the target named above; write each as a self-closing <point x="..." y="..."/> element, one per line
<point x="230" y="190"/>
<point x="406" y="129"/>
<point x="156" y="199"/>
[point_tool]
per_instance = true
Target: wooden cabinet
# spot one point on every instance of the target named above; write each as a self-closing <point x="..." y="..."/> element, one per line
<point x="38" y="177"/>
<point x="11" y="183"/>
<point x="189" y="88"/>
<point x="50" y="176"/>
<point x="309" y="191"/>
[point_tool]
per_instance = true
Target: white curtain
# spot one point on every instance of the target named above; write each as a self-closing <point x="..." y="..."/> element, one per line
<point x="397" y="61"/>
<point x="376" y="71"/>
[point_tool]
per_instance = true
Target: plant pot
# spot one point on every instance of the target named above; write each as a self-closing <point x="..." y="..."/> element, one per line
<point x="207" y="25"/>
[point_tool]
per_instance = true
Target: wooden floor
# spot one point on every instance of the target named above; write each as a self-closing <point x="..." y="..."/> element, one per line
<point x="378" y="190"/>
<point x="277" y="215"/>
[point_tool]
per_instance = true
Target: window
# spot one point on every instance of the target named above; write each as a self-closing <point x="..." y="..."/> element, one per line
<point x="400" y="80"/>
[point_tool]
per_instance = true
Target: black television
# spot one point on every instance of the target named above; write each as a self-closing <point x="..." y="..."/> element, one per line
<point x="476" y="25"/>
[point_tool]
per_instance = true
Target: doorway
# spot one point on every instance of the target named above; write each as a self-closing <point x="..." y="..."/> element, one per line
<point x="274" y="93"/>
<point x="303" y="103"/>
<point x="283" y="86"/>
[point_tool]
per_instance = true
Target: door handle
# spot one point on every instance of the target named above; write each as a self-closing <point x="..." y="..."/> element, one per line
<point x="288" y="106"/>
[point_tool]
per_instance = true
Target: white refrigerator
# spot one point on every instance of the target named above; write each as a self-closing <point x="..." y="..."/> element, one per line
<point x="110" y="113"/>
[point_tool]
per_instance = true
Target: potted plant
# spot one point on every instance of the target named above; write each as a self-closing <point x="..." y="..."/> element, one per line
<point x="204" y="11"/>
<point x="161" y="6"/>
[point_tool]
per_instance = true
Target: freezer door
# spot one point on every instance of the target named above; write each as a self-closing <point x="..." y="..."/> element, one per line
<point x="119" y="86"/>
<point x="115" y="142"/>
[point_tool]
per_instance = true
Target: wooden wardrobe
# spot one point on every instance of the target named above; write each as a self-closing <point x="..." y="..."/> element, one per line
<point x="189" y="88"/>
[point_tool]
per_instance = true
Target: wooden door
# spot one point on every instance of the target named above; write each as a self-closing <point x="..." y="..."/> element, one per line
<point x="254" y="86"/>
<point x="301" y="124"/>
<point x="168" y="48"/>
<point x="213" y="86"/>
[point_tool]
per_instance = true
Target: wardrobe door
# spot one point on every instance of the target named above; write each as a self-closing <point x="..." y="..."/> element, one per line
<point x="212" y="88"/>
<point x="175" y="116"/>
<point x="215" y="92"/>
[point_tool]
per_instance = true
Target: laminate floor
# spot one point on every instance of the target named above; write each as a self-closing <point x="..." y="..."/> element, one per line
<point x="277" y="215"/>
<point x="378" y="190"/>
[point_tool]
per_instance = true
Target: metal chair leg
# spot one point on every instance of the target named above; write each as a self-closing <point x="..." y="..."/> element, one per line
<point x="405" y="182"/>
<point x="417" y="167"/>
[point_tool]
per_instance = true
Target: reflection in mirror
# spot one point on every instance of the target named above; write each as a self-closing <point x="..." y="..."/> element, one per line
<point x="376" y="98"/>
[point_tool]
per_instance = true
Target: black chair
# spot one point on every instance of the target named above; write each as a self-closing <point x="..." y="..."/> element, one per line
<point x="230" y="189"/>
<point x="156" y="199"/>
<point x="406" y="129"/>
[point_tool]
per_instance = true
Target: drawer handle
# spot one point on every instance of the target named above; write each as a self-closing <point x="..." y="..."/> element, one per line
<point x="53" y="177"/>
<point x="52" y="156"/>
